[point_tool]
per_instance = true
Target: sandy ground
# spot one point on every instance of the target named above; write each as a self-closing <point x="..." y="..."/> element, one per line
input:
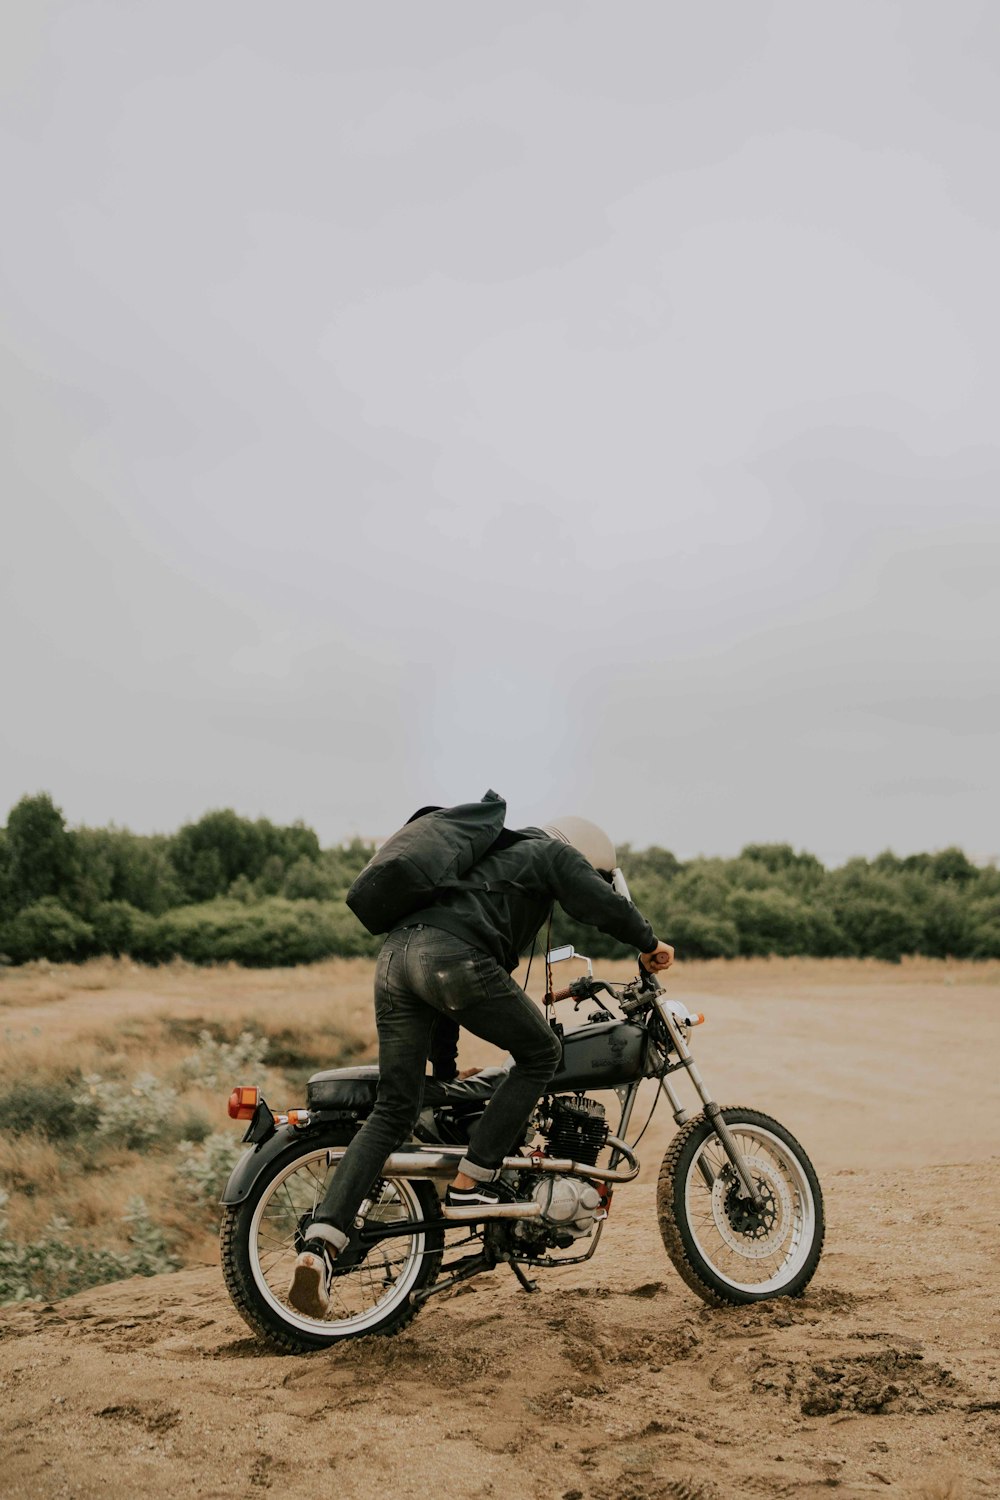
<point x="613" y="1382"/>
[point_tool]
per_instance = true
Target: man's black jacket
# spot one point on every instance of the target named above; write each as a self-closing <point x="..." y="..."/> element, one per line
<point x="509" y="893"/>
<point x="517" y="883"/>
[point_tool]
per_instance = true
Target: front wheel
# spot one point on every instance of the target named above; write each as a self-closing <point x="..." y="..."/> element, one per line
<point x="725" y="1249"/>
<point x="372" y="1290"/>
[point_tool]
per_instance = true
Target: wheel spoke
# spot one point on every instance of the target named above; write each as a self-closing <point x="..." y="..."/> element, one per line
<point x="754" y="1248"/>
<point x="361" y="1293"/>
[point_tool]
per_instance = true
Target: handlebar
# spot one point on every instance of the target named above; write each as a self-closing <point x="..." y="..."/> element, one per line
<point x="586" y="988"/>
<point x="582" y="989"/>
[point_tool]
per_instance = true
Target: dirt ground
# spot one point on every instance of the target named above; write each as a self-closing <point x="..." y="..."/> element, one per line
<point x="613" y="1382"/>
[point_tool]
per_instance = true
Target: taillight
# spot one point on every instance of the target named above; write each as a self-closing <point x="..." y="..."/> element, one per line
<point x="243" y="1103"/>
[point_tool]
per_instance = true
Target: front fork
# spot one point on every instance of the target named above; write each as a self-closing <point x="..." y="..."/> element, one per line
<point x="712" y="1110"/>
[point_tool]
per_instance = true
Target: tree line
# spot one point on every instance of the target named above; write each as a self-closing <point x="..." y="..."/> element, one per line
<point x="227" y="888"/>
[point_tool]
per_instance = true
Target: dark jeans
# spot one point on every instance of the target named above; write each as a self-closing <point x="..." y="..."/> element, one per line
<point x="423" y="972"/>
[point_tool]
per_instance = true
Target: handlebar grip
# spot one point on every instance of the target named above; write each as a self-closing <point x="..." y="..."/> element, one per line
<point x="563" y="994"/>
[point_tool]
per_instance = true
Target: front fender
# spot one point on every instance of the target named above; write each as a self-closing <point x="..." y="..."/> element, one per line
<point x="286" y="1140"/>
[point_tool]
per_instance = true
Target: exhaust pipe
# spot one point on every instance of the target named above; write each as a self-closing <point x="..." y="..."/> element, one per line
<point x="439" y="1163"/>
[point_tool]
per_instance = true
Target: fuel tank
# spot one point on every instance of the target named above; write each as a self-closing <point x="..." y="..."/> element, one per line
<point x="602" y="1055"/>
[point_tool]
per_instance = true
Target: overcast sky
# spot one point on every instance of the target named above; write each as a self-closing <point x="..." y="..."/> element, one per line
<point x="595" y="402"/>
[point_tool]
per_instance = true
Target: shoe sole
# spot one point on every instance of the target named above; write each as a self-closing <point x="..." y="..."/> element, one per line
<point x="307" y="1293"/>
<point x="468" y="1213"/>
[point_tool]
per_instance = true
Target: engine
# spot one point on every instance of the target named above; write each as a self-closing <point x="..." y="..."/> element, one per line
<point x="571" y="1206"/>
<point x="577" y="1129"/>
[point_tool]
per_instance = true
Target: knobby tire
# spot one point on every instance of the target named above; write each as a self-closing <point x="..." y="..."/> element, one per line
<point x="247" y="1297"/>
<point x="691" y="1264"/>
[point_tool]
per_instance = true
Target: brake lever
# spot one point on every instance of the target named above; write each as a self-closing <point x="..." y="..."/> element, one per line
<point x="589" y="989"/>
<point x="648" y="981"/>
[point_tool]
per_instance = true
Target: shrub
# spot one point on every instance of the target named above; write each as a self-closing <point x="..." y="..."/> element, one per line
<point x="308" y="880"/>
<point x="947" y="922"/>
<point x="47" y="930"/>
<point x="696" y="935"/>
<point x="825" y="937"/>
<point x="191" y="1125"/>
<point x="148" y="940"/>
<point x="50" y="1109"/>
<point x="268" y="934"/>
<point x="271" y="877"/>
<point x="218" y="1062"/>
<point x="56" y="1265"/>
<point x="984" y="940"/>
<point x="204" y="1169"/>
<point x="115" y="924"/>
<point x="133" y="1115"/>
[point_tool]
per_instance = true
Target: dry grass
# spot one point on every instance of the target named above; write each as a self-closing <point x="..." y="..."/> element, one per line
<point x="60" y="1024"/>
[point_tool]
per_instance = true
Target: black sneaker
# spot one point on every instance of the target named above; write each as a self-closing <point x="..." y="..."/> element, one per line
<point x="309" y="1292"/>
<point x="487" y="1200"/>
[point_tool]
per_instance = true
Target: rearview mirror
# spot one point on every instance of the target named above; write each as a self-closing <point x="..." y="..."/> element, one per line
<point x="559" y="955"/>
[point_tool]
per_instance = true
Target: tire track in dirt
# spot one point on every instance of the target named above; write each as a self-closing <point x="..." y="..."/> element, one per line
<point x="611" y="1383"/>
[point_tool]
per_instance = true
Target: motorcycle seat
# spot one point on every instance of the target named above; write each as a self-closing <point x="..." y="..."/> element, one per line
<point x="355" y="1088"/>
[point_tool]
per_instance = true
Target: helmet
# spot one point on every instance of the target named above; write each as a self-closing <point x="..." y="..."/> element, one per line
<point x="590" y="841"/>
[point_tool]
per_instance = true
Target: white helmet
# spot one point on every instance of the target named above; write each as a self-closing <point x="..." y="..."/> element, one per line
<point x="592" y="842"/>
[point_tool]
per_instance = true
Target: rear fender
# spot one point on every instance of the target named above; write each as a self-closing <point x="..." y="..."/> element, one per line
<point x="286" y="1140"/>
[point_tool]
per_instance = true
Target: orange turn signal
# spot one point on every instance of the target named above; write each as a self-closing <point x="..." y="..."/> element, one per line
<point x="697" y="1019"/>
<point x="298" y="1117"/>
<point x="243" y="1103"/>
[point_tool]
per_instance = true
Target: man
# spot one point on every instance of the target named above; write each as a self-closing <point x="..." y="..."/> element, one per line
<point x="454" y="959"/>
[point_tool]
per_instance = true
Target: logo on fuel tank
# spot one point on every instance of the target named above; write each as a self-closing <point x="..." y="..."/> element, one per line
<point x="618" y="1044"/>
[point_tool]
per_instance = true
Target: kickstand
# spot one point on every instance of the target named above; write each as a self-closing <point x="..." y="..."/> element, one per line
<point x="529" y="1286"/>
<point x="464" y="1269"/>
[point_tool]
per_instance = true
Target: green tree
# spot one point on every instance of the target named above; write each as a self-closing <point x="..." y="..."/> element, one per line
<point x="954" y="866"/>
<point x="782" y="858"/>
<point x="7" y="906"/>
<point x="113" y="864"/>
<point x="39" y="851"/>
<point x="213" y="852"/>
<point x="271" y="877"/>
<point x="770" y="921"/>
<point x="878" y="928"/>
<point x="657" y="864"/>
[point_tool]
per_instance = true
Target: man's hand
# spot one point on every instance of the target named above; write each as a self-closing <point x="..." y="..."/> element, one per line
<point x="661" y="957"/>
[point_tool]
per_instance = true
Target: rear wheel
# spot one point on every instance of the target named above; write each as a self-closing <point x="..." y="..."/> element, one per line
<point x="373" y="1286"/>
<point x="725" y="1249"/>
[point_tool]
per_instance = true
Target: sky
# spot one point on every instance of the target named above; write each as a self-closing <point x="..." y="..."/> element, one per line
<point x="594" y="402"/>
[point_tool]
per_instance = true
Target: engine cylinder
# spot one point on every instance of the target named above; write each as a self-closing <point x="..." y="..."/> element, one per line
<point x="579" y="1130"/>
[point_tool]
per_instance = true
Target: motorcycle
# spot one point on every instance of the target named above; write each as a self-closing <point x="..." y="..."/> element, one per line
<point x="739" y="1206"/>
